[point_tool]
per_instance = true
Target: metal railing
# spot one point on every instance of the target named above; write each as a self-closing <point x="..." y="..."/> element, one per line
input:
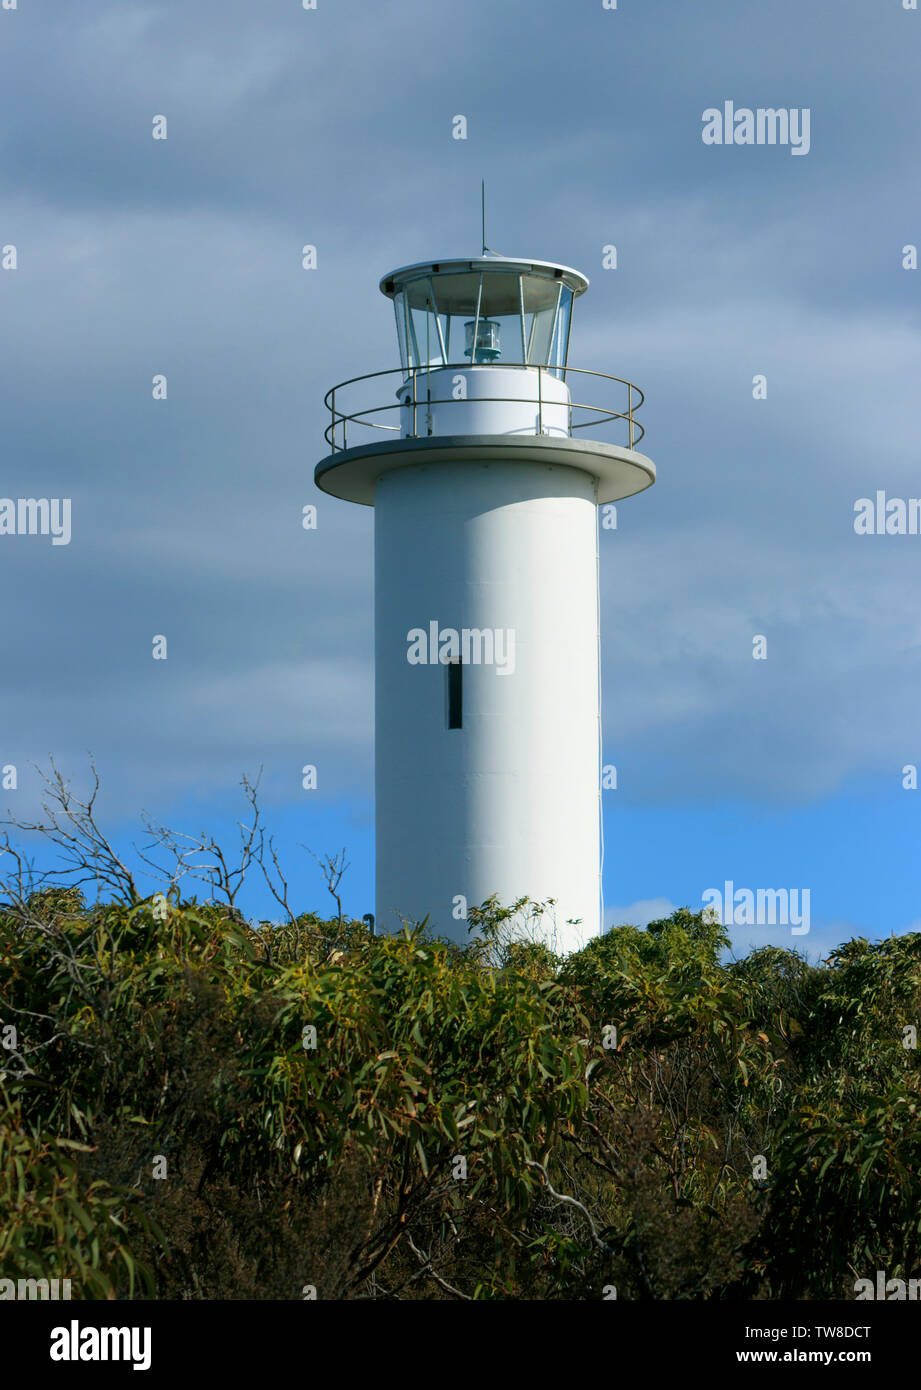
<point x="336" y="432"/>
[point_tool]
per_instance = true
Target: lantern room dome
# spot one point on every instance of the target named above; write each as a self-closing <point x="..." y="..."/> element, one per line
<point x="500" y="265"/>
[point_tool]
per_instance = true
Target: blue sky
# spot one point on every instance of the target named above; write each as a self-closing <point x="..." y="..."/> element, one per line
<point x="333" y="127"/>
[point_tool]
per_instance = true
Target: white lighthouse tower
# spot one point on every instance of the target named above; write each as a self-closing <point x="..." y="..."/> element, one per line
<point x="485" y="493"/>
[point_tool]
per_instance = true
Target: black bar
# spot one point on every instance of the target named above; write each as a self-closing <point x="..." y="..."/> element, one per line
<point x="455" y="695"/>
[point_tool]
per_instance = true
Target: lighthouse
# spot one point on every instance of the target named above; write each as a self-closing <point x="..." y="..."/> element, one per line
<point x="486" y="456"/>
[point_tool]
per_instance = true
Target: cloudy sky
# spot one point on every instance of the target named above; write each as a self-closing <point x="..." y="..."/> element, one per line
<point x="137" y="257"/>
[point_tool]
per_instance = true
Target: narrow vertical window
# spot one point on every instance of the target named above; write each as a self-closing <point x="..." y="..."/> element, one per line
<point x="455" y="695"/>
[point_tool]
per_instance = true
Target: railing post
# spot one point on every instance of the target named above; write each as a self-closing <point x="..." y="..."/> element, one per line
<point x="415" y="431"/>
<point x="332" y="411"/>
<point x="630" y="411"/>
<point x="540" y="404"/>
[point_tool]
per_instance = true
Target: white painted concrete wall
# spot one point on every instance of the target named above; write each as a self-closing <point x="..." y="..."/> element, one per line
<point x="509" y="804"/>
<point x="463" y="401"/>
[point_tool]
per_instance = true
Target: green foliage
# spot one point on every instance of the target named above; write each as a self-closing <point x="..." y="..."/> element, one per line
<point x="196" y="1107"/>
<point x="57" y="1225"/>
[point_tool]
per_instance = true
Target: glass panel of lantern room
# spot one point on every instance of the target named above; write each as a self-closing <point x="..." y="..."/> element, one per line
<point x="419" y="334"/>
<point x="543" y="324"/>
<point x="399" y="312"/>
<point x="440" y="326"/>
<point x="545" y="314"/>
<point x="424" y="329"/>
<point x="559" y="347"/>
<point x="412" y="349"/>
<point x="455" y="303"/>
<point x="497" y="327"/>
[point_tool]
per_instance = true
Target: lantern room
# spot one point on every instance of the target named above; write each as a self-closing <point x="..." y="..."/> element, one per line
<point x="484" y="312"/>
